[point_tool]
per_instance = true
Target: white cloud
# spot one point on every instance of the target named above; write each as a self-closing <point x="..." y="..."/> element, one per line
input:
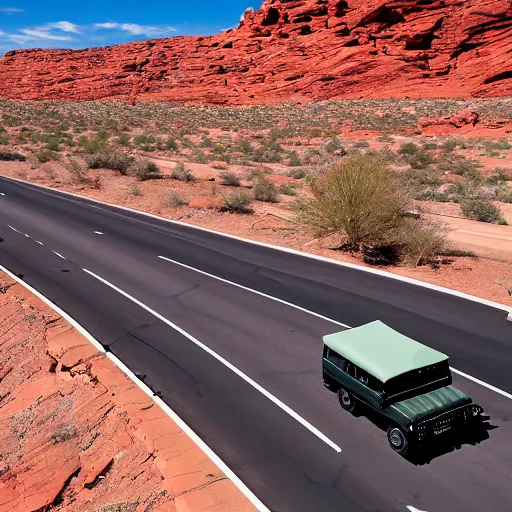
<point x="43" y="34"/>
<point x="135" y="29"/>
<point x="65" y="26"/>
<point x="11" y="10"/>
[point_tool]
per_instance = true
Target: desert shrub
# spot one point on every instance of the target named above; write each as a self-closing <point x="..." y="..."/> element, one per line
<point x="450" y="145"/>
<point x="174" y="200"/>
<point x="111" y="160"/>
<point x="229" y="179"/>
<point x="46" y="156"/>
<point x="335" y="146"/>
<point x="123" y="139"/>
<point x="4" y="139"/>
<point x="237" y="202"/>
<point x="244" y="146"/>
<point x="6" y="156"/>
<point x="287" y="189"/>
<point x="180" y="173"/>
<point x="298" y="174"/>
<point x="408" y="148"/>
<point x="144" y="169"/>
<point x="171" y="144"/>
<point x="430" y="146"/>
<point x="265" y="190"/>
<point x="505" y="194"/>
<point x="481" y="209"/>
<point x="77" y="171"/>
<point x="294" y="160"/>
<point x="360" y="144"/>
<point x="53" y="144"/>
<point x="500" y="174"/>
<point x="206" y="142"/>
<point x="135" y="190"/>
<point x="199" y="157"/>
<point x="93" y="145"/>
<point x="419" y="160"/>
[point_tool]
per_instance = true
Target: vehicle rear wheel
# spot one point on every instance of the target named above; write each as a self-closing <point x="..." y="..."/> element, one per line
<point x="347" y="400"/>
<point x="398" y="440"/>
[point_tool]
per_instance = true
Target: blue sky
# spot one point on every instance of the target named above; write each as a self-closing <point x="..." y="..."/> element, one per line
<point x="72" y="24"/>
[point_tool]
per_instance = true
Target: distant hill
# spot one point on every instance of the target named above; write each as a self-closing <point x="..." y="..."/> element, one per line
<point x="292" y="51"/>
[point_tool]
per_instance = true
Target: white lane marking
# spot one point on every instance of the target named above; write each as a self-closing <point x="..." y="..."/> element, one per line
<point x="482" y="383"/>
<point x="226" y="363"/>
<point x="2" y="194"/>
<point x="254" y="291"/>
<point x="98" y="232"/>
<point x="28" y="236"/>
<point x="413" y="509"/>
<point x="59" y="255"/>
<point x="188" y="431"/>
<point x="14" y="229"/>
<point x="467" y="376"/>
<point x="353" y="266"/>
<point x="38" y="242"/>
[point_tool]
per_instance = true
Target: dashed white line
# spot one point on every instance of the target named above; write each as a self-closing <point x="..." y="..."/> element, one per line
<point x="226" y="363"/>
<point x="99" y="233"/>
<point x="38" y="242"/>
<point x="59" y="255"/>
<point x="2" y="194"/>
<point x="28" y="236"/>
<point x="14" y="229"/>
<point x="454" y="370"/>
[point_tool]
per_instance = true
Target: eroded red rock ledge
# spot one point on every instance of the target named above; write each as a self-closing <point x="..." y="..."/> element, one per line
<point x="292" y="51"/>
<point x="77" y="435"/>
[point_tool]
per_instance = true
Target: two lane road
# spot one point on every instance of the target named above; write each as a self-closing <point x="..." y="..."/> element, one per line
<point x="243" y="369"/>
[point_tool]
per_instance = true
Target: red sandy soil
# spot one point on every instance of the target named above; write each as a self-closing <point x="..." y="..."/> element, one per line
<point x="292" y="51"/>
<point x="77" y="435"/>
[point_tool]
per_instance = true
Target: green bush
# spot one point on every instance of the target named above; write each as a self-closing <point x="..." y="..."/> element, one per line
<point x="265" y="190"/>
<point x="505" y="194"/>
<point x="4" y="139"/>
<point x="180" y="173"/>
<point x="53" y="144"/>
<point x="135" y="190"/>
<point x="6" y="156"/>
<point x="199" y="157"/>
<point x="171" y="144"/>
<point x="111" y="160"/>
<point x="123" y="139"/>
<point x="408" y="148"/>
<point x="229" y="179"/>
<point x="481" y="209"/>
<point x="294" y="160"/>
<point x="287" y="189"/>
<point x="237" y="202"/>
<point x="144" y="169"/>
<point x="298" y="174"/>
<point x="419" y="160"/>
<point x="335" y="146"/>
<point x="500" y="174"/>
<point x="433" y="195"/>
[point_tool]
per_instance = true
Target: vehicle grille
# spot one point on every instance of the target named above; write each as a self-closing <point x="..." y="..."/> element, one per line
<point x="446" y="421"/>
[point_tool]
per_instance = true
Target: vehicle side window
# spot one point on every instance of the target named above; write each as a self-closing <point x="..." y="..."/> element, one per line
<point x="368" y="380"/>
<point x="351" y="370"/>
<point x="336" y="359"/>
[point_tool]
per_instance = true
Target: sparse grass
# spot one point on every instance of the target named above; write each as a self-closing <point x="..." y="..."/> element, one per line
<point x="265" y="190"/>
<point x="298" y="174"/>
<point x="181" y="173"/>
<point x="123" y="139"/>
<point x="408" y="148"/>
<point x="6" y="156"/>
<point x="288" y="189"/>
<point x="4" y="139"/>
<point x="237" y="202"/>
<point x="199" y="157"/>
<point x="112" y="160"/>
<point x="294" y="159"/>
<point x="499" y="175"/>
<point x="433" y="195"/>
<point x="505" y="194"/>
<point x="229" y="179"/>
<point x="135" y="189"/>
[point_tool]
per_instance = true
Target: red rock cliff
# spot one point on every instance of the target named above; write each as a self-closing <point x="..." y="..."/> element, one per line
<point x="292" y="51"/>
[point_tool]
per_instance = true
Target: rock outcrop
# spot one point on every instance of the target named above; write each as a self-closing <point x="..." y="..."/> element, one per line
<point x="292" y="50"/>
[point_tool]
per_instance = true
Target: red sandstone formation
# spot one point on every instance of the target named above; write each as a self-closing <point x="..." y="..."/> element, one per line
<point x="292" y="51"/>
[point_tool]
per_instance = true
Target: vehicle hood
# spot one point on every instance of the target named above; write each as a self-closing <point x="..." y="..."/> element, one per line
<point x="432" y="403"/>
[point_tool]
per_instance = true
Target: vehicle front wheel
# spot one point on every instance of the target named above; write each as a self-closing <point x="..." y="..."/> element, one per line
<point x="347" y="400"/>
<point x="398" y="440"/>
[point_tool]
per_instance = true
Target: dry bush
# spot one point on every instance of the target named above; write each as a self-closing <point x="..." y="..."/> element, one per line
<point x="482" y="210"/>
<point x="175" y="200"/>
<point x="237" y="202"/>
<point x="79" y="174"/>
<point x="144" y="169"/>
<point x="265" y="190"/>
<point x="6" y="156"/>
<point x="364" y="202"/>
<point x="229" y="179"/>
<point x="180" y="173"/>
<point x="111" y="160"/>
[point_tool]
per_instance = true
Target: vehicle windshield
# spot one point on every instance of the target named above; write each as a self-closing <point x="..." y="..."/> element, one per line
<point x="417" y="382"/>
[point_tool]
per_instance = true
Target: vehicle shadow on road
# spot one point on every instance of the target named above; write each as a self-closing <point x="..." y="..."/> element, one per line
<point x="446" y="444"/>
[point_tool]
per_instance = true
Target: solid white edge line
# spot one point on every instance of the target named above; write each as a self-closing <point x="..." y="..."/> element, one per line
<point x="59" y="255"/>
<point x="318" y="315"/>
<point x="353" y="266"/>
<point x="195" y="438"/>
<point x="14" y="229"/>
<point x="304" y="310"/>
<point x="225" y="362"/>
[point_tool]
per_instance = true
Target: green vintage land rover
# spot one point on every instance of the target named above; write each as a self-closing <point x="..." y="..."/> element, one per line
<point x="408" y="383"/>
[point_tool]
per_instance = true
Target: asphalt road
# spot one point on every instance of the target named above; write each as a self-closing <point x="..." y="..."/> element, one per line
<point x="273" y="344"/>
